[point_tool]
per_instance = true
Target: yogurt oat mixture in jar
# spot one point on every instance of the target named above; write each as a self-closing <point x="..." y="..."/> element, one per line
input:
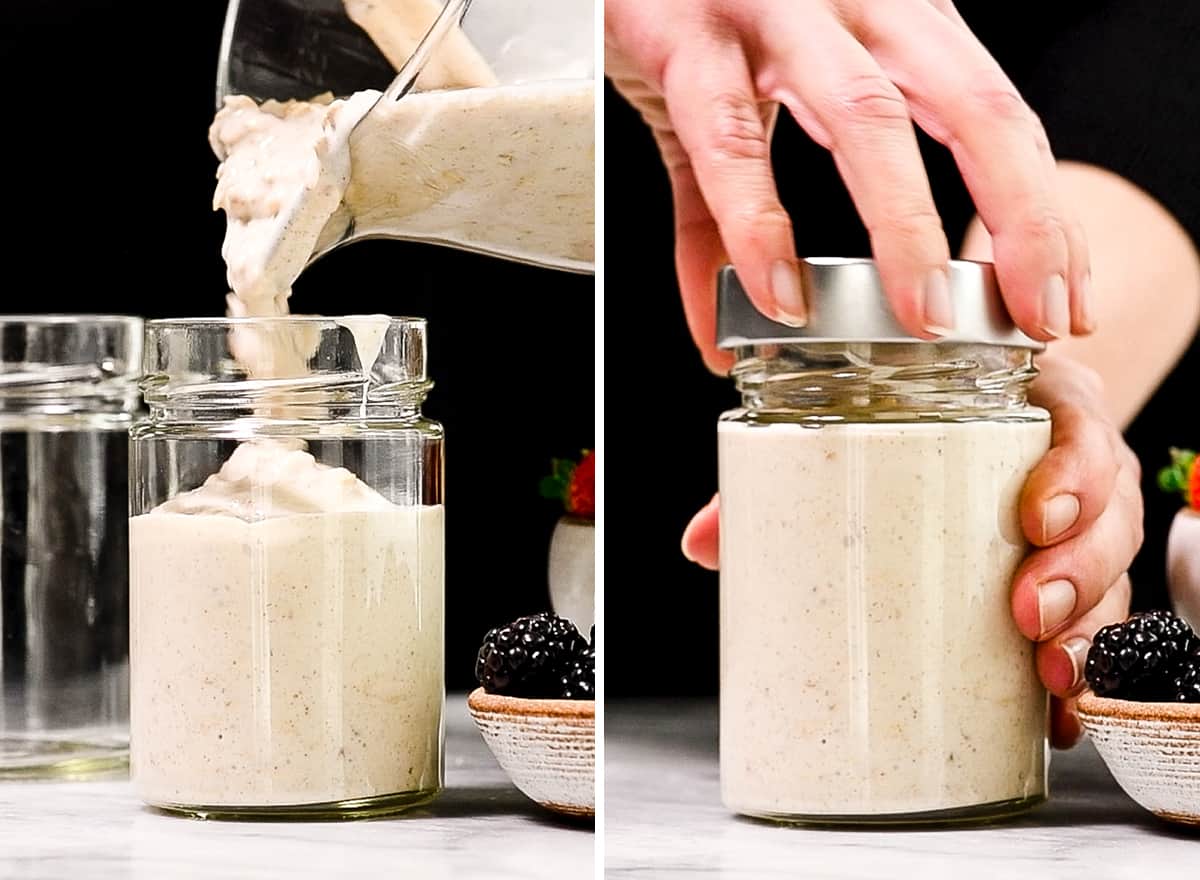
<point x="287" y="616"/>
<point x="869" y="660"/>
<point x="870" y="667"/>
<point x="287" y="639"/>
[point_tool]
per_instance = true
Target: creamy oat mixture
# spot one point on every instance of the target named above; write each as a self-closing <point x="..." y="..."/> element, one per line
<point x="287" y="618"/>
<point x="869" y="660"/>
<point x="501" y="168"/>
<point x="284" y="169"/>
<point x="286" y="638"/>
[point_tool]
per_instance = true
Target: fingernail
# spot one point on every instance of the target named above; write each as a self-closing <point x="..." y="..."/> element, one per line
<point x="1056" y="601"/>
<point x="1056" y="307"/>
<point x="789" y="294"/>
<point x="1058" y="515"/>
<point x="939" y="310"/>
<point x="1076" y="650"/>
<point x="1086" y="316"/>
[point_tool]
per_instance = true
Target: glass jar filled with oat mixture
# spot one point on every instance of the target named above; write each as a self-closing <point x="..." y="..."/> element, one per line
<point x="286" y="569"/>
<point x="871" y="670"/>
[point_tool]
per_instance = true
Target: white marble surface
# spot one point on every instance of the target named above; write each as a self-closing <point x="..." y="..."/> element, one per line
<point x="664" y="820"/>
<point x="480" y="827"/>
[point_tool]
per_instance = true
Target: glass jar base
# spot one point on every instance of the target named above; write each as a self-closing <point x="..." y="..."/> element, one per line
<point x="25" y="756"/>
<point x="977" y="814"/>
<point x="357" y="808"/>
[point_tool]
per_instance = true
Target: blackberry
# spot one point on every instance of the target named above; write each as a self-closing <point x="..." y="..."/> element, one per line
<point x="1141" y="658"/>
<point x="1187" y="684"/>
<point x="578" y="682"/>
<point x="528" y="657"/>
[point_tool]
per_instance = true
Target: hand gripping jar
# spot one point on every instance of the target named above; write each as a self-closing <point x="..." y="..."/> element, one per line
<point x="871" y="670"/>
<point x="286" y="557"/>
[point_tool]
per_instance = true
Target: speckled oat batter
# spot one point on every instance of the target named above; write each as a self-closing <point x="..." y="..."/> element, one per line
<point x="286" y="639"/>
<point x="869" y="660"/>
<point x="511" y="167"/>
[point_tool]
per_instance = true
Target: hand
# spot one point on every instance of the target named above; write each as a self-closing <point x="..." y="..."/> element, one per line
<point x="708" y="75"/>
<point x="1081" y="509"/>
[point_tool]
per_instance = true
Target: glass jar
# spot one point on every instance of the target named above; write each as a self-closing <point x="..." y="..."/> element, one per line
<point x="68" y="395"/>
<point x="286" y="569"/>
<point x="871" y="670"/>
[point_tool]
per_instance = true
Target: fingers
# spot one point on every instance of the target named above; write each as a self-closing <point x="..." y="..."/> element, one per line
<point x="715" y="113"/>
<point x="699" y="254"/>
<point x="948" y="9"/>
<point x="1000" y="148"/>
<point x="1082" y="504"/>
<point x="701" y="538"/>
<point x="1083" y="319"/>
<point x="1060" y="660"/>
<point x="1065" y="727"/>
<point x="1058" y="584"/>
<point x="845" y="102"/>
<point x="1072" y="484"/>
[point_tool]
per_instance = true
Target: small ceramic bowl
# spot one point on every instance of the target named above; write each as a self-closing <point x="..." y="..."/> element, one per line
<point x="1152" y="750"/>
<point x="547" y="747"/>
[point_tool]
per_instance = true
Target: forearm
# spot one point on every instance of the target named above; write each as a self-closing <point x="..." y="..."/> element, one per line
<point x="1145" y="285"/>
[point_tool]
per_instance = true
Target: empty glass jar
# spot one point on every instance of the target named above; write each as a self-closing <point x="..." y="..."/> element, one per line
<point x="286" y="549"/>
<point x="68" y="395"/>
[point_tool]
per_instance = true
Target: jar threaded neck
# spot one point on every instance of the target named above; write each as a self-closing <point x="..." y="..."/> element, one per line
<point x="871" y="382"/>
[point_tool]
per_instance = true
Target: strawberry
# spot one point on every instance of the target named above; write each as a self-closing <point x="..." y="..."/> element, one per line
<point x="573" y="484"/>
<point x="1182" y="476"/>
<point x="581" y="491"/>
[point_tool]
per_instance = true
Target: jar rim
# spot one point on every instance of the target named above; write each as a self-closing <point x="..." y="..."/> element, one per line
<point x="281" y="320"/>
<point x="63" y="363"/>
<point x="248" y="363"/>
<point x="81" y="318"/>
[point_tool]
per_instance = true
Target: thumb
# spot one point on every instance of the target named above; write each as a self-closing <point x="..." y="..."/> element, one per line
<point x="701" y="539"/>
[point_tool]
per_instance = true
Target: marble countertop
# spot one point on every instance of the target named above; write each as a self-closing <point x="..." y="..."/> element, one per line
<point x="480" y="827"/>
<point x="664" y="819"/>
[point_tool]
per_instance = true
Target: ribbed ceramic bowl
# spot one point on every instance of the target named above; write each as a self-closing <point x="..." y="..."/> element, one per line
<point x="547" y="747"/>
<point x="1152" y="750"/>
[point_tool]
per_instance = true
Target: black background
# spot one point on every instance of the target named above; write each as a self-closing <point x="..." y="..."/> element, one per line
<point x="1087" y="69"/>
<point x="108" y="191"/>
<point x="121" y="150"/>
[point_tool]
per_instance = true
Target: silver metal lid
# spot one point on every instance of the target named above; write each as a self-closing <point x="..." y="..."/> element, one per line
<point x="846" y="303"/>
